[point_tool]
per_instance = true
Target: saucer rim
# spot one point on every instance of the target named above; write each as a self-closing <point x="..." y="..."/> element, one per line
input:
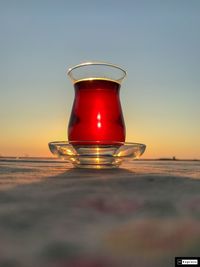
<point x="97" y="143"/>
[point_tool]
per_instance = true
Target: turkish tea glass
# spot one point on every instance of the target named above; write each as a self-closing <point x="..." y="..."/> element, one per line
<point x="96" y="130"/>
<point x="96" y="115"/>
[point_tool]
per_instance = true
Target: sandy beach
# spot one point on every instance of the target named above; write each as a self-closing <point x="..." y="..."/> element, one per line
<point x="143" y="214"/>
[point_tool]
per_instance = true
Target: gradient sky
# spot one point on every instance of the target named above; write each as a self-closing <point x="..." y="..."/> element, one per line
<point x="157" y="42"/>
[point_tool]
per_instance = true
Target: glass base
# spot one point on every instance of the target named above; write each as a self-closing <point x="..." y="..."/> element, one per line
<point x="95" y="155"/>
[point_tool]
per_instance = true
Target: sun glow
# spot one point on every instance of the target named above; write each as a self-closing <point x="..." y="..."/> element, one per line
<point x="99" y="120"/>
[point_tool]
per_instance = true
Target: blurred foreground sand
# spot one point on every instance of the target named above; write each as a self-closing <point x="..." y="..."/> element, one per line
<point x="143" y="214"/>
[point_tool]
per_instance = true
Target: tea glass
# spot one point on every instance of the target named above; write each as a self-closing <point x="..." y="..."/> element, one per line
<point x="96" y="113"/>
<point x="96" y="129"/>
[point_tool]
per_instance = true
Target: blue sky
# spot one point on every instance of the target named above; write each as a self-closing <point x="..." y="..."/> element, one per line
<point x="157" y="42"/>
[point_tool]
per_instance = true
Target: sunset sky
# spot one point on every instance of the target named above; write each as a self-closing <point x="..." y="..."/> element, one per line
<point x="156" y="42"/>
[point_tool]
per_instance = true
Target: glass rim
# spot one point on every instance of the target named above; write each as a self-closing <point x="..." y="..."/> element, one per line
<point x="95" y="63"/>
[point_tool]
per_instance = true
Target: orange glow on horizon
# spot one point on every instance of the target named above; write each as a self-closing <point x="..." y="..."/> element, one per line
<point x="156" y="148"/>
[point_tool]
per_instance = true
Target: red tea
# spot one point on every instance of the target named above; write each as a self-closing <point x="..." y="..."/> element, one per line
<point x="96" y="113"/>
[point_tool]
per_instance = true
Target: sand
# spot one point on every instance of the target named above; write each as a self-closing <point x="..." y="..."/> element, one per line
<point x="143" y="214"/>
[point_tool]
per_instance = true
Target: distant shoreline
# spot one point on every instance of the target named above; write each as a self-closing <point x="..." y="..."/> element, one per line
<point x="54" y="159"/>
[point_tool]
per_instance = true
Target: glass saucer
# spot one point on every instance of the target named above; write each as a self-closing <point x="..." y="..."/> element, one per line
<point x="93" y="154"/>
